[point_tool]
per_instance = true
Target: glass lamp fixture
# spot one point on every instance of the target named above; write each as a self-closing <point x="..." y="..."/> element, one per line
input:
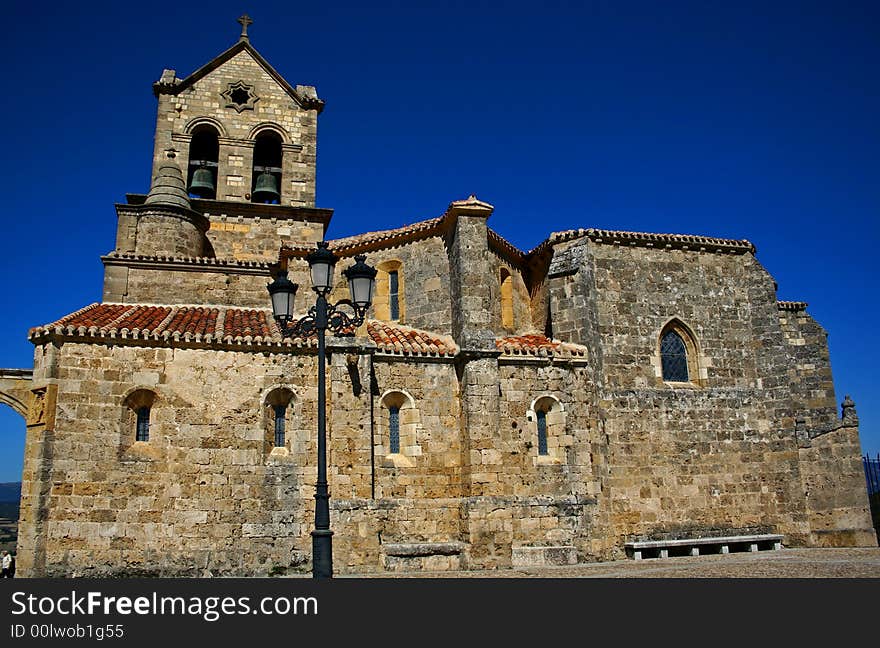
<point x="361" y="282"/>
<point x="282" y="291"/>
<point x="322" y="262"/>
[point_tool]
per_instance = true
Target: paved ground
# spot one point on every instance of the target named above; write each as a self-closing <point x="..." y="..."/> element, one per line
<point x="786" y="563"/>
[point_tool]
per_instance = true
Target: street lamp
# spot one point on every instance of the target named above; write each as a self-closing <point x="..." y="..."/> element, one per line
<point x="321" y="316"/>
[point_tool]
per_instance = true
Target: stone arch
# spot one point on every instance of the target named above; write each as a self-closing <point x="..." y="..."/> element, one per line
<point x="409" y="421"/>
<point x="15" y="389"/>
<point x="546" y="418"/>
<point x="695" y="362"/>
<point x="263" y="127"/>
<point x="14" y="402"/>
<point x="195" y="122"/>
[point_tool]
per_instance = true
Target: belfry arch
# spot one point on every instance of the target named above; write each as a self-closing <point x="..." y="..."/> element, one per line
<point x="15" y="389"/>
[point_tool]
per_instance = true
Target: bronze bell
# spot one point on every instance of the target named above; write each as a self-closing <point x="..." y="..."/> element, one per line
<point x="266" y="189"/>
<point x="203" y="183"/>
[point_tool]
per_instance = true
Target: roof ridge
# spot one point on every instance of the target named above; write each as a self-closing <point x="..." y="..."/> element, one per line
<point x="682" y="241"/>
<point x="175" y="86"/>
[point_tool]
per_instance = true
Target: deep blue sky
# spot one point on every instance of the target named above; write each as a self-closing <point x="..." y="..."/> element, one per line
<point x="743" y="119"/>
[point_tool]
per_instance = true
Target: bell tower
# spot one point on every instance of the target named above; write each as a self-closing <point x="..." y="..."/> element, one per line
<point x="233" y="178"/>
<point x="243" y="132"/>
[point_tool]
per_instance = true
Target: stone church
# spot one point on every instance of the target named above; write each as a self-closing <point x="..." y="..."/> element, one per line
<point x="499" y="407"/>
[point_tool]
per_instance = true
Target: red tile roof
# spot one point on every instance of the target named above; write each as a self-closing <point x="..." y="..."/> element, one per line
<point x="216" y="325"/>
<point x="394" y="338"/>
<point x="221" y="325"/>
<point x="370" y="240"/>
<point x="538" y="345"/>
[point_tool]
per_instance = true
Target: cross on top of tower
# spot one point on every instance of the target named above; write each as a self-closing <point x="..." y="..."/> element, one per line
<point x="244" y="21"/>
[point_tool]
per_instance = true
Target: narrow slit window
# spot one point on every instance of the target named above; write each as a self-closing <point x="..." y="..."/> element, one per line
<point x="394" y="429"/>
<point x="673" y="355"/>
<point x="542" y="432"/>
<point x="143" y="424"/>
<point x="393" y="299"/>
<point x="280" y="412"/>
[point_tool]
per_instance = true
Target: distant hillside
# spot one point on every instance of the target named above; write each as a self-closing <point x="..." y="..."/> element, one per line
<point x="10" y="492"/>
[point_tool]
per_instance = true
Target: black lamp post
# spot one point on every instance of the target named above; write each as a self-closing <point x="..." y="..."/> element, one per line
<point x="321" y="316"/>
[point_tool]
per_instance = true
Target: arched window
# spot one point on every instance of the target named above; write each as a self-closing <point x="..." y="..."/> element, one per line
<point x="266" y="176"/>
<point x="142" y="432"/>
<point x="546" y="419"/>
<point x="389" y="303"/>
<point x="679" y="356"/>
<point x="542" y="431"/>
<point x="138" y="412"/>
<point x="394" y="294"/>
<point x="506" y="299"/>
<point x="397" y="442"/>
<point x="204" y="153"/>
<point x="279" y="414"/>
<point x="394" y="429"/>
<point x="673" y="355"/>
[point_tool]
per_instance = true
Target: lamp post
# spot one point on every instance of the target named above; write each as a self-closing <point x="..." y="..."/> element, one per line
<point x="321" y="316"/>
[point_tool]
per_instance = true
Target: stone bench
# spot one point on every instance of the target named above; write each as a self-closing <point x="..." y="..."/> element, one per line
<point x="720" y="544"/>
<point x="422" y="556"/>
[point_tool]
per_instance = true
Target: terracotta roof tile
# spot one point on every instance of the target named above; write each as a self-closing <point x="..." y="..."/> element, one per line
<point x="394" y="338"/>
<point x="369" y="240"/>
<point x="218" y="324"/>
<point x="538" y="345"/>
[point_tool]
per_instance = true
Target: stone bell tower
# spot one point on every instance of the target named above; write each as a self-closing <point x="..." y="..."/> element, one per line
<point x="244" y="133"/>
<point x="233" y="177"/>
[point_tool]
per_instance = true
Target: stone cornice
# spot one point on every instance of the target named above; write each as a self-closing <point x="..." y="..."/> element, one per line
<point x="214" y="209"/>
<point x="371" y="241"/>
<point x="505" y="249"/>
<point x="174" y="211"/>
<point x="793" y="306"/>
<point x="188" y="264"/>
<point x="648" y="240"/>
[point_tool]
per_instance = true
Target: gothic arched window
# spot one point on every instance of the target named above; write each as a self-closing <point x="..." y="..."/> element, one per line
<point x="673" y="357"/>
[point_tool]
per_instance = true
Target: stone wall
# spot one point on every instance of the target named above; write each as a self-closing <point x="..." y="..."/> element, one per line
<point x="424" y="266"/>
<point x="809" y="368"/>
<point x="833" y="481"/>
<point x="717" y="455"/>
<point x="523" y="321"/>
<point x="187" y="285"/>
<point x="256" y="238"/>
<point x="199" y="496"/>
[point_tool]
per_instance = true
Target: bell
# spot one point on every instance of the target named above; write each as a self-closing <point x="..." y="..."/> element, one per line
<point x="203" y="183"/>
<point x="266" y="189"/>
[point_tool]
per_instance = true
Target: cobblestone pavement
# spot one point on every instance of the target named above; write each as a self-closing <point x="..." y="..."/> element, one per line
<point x="786" y="563"/>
